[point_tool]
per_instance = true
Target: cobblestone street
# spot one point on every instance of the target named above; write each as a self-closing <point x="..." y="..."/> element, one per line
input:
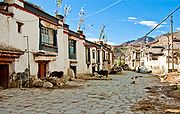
<point x="115" y="96"/>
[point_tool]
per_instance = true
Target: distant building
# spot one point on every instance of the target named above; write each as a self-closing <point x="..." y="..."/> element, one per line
<point x="156" y="57"/>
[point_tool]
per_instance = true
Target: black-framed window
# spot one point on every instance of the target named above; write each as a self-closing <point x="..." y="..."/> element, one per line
<point x="103" y="55"/>
<point x="98" y="56"/>
<point x="93" y="54"/>
<point x="19" y="27"/>
<point x="47" y="36"/>
<point x="109" y="58"/>
<point x="48" y="39"/>
<point x="88" y="55"/>
<point x="72" y="49"/>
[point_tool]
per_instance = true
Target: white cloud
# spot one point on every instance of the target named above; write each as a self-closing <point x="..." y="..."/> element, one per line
<point x="121" y="20"/>
<point x="178" y="28"/>
<point x="151" y="24"/>
<point x="164" y="23"/>
<point x="92" y="39"/>
<point x="132" y="18"/>
<point x="111" y="43"/>
<point x="147" y="23"/>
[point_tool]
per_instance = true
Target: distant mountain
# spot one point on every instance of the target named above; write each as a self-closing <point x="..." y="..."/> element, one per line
<point x="139" y="41"/>
<point x="128" y="42"/>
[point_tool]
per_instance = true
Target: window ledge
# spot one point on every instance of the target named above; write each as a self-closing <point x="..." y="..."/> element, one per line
<point x="51" y="46"/>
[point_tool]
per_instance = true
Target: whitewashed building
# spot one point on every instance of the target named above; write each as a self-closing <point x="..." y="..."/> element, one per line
<point x="31" y="38"/>
<point x="156" y="57"/>
<point x="34" y="32"/>
<point x="132" y="57"/>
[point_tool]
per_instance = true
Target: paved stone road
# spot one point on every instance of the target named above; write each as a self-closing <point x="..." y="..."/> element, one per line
<point x="114" y="96"/>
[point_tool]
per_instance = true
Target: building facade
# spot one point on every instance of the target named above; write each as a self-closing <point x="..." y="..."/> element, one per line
<point x="160" y="56"/>
<point x="31" y="38"/>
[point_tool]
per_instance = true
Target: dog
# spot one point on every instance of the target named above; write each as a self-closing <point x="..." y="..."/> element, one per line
<point x="103" y="73"/>
<point x="58" y="74"/>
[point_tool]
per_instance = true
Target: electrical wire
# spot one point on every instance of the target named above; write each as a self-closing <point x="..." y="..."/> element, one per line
<point x="158" y="9"/>
<point x="134" y="11"/>
<point x="103" y="9"/>
<point x="162" y="21"/>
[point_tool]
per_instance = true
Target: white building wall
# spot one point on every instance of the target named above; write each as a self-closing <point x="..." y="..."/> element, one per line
<point x="62" y="62"/>
<point x="31" y="32"/>
<point x="101" y="59"/>
<point x="17" y="40"/>
<point x="163" y="65"/>
<point x="81" y="57"/>
<point x="4" y="32"/>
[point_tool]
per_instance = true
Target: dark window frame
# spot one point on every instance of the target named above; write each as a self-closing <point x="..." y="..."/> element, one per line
<point x="104" y="55"/>
<point x="93" y="54"/>
<point x="19" y="27"/>
<point x="53" y="47"/>
<point x="98" y="56"/>
<point x="72" y="49"/>
<point x="48" y="36"/>
<point x="88" y="56"/>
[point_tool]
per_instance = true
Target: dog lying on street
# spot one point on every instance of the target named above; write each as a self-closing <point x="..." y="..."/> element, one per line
<point x="102" y="73"/>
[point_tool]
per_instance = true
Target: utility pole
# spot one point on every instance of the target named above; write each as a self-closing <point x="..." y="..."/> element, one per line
<point x="162" y="21"/>
<point x="168" y="48"/>
<point x="120" y="56"/>
<point x="28" y="53"/>
<point x="172" y="37"/>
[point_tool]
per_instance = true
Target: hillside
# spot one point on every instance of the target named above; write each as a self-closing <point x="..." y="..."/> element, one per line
<point x="139" y="41"/>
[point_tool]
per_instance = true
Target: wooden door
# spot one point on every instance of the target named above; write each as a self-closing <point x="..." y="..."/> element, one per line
<point x="42" y="70"/>
<point x="4" y="76"/>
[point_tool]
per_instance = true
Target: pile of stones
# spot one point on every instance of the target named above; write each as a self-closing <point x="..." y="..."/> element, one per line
<point x="55" y="79"/>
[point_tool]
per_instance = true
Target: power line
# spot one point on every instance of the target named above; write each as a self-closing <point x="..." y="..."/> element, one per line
<point x="161" y="22"/>
<point x="105" y="8"/>
<point x="108" y="6"/>
<point x="131" y="8"/>
<point x="101" y="10"/>
<point x="159" y="10"/>
<point x="135" y="11"/>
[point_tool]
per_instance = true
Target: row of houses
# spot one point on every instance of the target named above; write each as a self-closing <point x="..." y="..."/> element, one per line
<point x="160" y="56"/>
<point x="31" y="38"/>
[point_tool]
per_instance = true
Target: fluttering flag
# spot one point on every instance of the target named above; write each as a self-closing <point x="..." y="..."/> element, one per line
<point x="58" y="2"/>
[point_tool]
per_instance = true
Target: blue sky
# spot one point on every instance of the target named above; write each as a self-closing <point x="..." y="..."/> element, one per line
<point x="124" y="19"/>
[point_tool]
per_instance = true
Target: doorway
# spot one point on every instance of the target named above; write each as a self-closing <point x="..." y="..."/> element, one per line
<point x="42" y="70"/>
<point x="4" y="75"/>
<point x="74" y="69"/>
<point x="93" y="69"/>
